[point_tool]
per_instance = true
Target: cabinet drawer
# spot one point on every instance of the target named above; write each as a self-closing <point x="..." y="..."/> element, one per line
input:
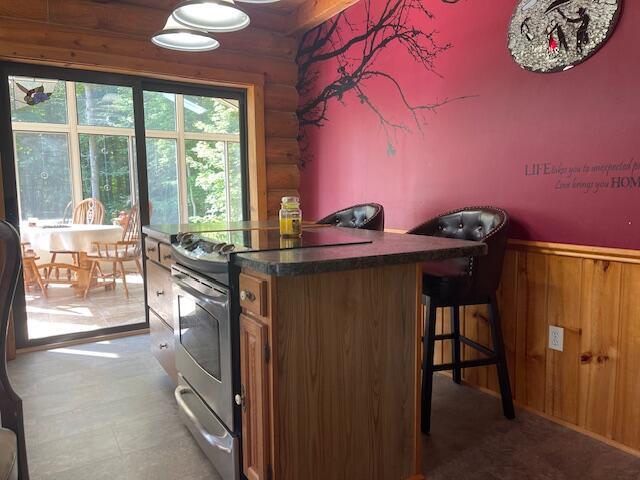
<point x="162" y="345"/>
<point x="253" y="294"/>
<point x="166" y="256"/>
<point x="151" y="249"/>
<point x="159" y="291"/>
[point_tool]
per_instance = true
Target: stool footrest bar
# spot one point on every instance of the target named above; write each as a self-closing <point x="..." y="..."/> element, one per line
<point x="445" y="336"/>
<point x="477" y="346"/>
<point x="466" y="364"/>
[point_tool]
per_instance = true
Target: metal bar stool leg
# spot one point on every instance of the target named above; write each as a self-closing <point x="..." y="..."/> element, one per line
<point x="455" y="329"/>
<point x="429" y="341"/>
<point x="498" y="347"/>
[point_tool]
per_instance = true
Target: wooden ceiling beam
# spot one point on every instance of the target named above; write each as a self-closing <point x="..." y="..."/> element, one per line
<point x="314" y="12"/>
<point x="152" y="13"/>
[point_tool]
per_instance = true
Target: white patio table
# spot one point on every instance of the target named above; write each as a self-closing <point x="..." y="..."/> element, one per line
<point x="71" y="238"/>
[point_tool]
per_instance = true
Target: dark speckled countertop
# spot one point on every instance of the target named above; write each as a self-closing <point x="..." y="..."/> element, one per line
<point x="381" y="249"/>
<point x="167" y="233"/>
<point x="384" y="249"/>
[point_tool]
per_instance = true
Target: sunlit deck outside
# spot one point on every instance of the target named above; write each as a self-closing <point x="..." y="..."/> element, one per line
<point x="66" y="312"/>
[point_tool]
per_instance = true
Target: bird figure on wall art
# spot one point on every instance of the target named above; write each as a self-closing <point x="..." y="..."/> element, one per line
<point x="34" y="96"/>
<point x="555" y="5"/>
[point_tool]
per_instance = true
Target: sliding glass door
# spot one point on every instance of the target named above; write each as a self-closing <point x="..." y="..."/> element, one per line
<point x="194" y="155"/>
<point x="74" y="172"/>
<point x="73" y="144"/>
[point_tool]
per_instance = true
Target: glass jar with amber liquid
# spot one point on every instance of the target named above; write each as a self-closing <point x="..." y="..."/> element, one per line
<point x="290" y="217"/>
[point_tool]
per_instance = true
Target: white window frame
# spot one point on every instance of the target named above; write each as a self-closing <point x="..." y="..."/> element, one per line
<point x="180" y="135"/>
<point x="73" y="129"/>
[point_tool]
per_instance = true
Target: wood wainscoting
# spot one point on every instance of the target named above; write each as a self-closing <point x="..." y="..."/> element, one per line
<point x="594" y="294"/>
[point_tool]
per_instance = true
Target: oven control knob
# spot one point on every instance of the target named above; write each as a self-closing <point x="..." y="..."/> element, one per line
<point x="206" y="246"/>
<point x="227" y="249"/>
<point x="185" y="238"/>
<point x="188" y="241"/>
<point x="219" y="246"/>
<point x="238" y="399"/>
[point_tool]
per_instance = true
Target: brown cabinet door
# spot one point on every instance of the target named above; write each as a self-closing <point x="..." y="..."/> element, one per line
<point x="255" y="408"/>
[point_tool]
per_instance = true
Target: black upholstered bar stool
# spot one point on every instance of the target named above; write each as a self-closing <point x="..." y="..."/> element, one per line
<point x="367" y="216"/>
<point x="464" y="281"/>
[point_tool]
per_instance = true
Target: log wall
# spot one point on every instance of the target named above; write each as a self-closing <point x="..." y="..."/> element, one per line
<point x="114" y="37"/>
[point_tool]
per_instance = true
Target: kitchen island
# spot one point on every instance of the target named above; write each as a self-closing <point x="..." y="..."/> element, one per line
<point x="330" y="355"/>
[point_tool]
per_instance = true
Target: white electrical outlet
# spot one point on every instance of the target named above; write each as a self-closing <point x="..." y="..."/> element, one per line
<point x="556" y="338"/>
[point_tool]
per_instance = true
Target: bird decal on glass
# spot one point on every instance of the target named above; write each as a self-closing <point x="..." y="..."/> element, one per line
<point x="34" y="96"/>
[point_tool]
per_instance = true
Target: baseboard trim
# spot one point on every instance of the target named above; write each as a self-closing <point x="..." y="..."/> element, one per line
<point x="81" y="341"/>
<point x="579" y="251"/>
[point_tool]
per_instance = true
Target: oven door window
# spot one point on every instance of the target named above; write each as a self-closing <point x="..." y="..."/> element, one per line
<point x="200" y="335"/>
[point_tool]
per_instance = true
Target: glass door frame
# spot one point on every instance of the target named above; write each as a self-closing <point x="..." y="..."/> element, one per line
<point x="9" y="173"/>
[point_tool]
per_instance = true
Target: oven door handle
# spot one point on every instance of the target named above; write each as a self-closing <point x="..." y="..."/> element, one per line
<point x="224" y="443"/>
<point x="177" y="279"/>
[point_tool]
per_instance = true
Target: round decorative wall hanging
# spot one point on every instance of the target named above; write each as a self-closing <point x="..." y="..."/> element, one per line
<point x="554" y="35"/>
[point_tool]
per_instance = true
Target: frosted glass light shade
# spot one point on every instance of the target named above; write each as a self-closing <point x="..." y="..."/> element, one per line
<point x="175" y="36"/>
<point x="211" y="15"/>
<point x="259" y="1"/>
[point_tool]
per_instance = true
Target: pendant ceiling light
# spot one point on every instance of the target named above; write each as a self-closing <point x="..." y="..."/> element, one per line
<point x="211" y="15"/>
<point x="176" y="36"/>
<point x="259" y="1"/>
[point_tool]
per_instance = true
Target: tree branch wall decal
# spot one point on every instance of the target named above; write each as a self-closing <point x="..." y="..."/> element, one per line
<point x="355" y="51"/>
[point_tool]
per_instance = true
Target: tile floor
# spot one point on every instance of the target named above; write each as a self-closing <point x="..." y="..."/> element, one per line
<point x="471" y="440"/>
<point x="105" y="411"/>
<point x="65" y="312"/>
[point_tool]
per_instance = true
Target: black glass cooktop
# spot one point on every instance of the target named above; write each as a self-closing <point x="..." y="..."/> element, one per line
<point x="263" y="240"/>
<point x="210" y="252"/>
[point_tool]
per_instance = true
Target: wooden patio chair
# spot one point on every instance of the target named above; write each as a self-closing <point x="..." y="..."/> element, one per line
<point x="31" y="271"/>
<point x="88" y="212"/>
<point x="66" y="216"/>
<point x="123" y="220"/>
<point x="32" y="275"/>
<point x="117" y="253"/>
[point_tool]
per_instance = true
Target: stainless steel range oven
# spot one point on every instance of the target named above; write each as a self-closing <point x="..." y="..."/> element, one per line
<point x="205" y="360"/>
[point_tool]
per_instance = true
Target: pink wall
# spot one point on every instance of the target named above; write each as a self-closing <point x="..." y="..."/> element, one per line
<point x="476" y="150"/>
